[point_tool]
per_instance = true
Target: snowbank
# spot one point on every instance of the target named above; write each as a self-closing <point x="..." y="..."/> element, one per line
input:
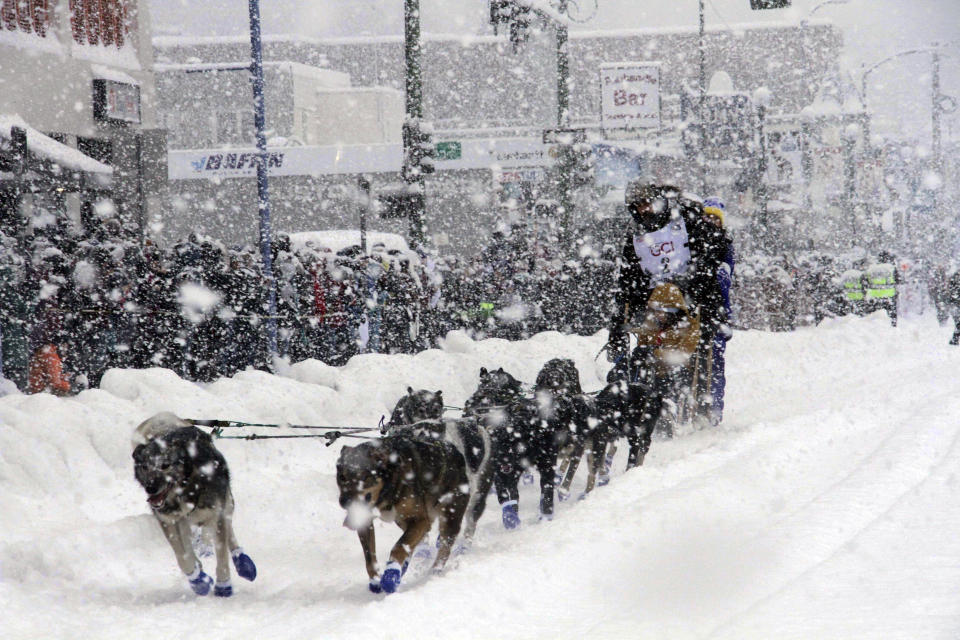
<point x="825" y="507"/>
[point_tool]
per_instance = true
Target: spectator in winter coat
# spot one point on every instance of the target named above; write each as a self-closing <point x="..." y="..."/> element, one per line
<point x="46" y="372"/>
<point x="953" y="295"/>
<point x="15" y="312"/>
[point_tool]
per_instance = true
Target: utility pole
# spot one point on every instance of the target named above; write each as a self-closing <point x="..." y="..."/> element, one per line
<point x="263" y="191"/>
<point x="563" y="72"/>
<point x="563" y="122"/>
<point x="414" y="110"/>
<point x="936" y="109"/>
<point x="363" y="186"/>
<point x="849" y="138"/>
<point x="762" y="178"/>
<point x="701" y="104"/>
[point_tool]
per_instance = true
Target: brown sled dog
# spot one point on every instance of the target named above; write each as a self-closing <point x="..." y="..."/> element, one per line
<point x="407" y="480"/>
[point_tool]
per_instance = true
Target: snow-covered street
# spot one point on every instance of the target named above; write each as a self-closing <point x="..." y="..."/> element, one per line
<point x="826" y="506"/>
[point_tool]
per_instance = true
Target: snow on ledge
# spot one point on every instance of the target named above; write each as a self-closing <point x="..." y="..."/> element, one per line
<point x="49" y="149"/>
<point x="101" y="72"/>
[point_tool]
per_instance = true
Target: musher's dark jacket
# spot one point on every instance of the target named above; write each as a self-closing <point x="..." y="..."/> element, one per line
<point x="708" y="245"/>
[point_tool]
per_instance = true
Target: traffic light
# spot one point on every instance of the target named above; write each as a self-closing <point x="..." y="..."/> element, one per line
<point x="399" y="203"/>
<point x="418" y="150"/>
<point x="581" y="165"/>
<point x="575" y="165"/>
<point x="513" y="14"/>
<point x="500" y="13"/>
<point x="758" y="5"/>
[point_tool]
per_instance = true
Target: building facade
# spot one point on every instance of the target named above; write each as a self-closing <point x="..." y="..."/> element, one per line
<point x="77" y="79"/>
<point x="479" y="88"/>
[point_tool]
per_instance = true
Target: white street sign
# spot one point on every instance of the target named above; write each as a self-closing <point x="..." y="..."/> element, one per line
<point x="630" y="95"/>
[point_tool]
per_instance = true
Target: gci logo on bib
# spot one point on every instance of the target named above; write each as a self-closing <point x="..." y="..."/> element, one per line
<point x="664" y="253"/>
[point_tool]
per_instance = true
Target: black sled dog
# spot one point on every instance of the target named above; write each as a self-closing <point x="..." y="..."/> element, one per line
<point x="407" y="480"/>
<point x="420" y="414"/>
<point x="188" y="483"/>
<point x="528" y="432"/>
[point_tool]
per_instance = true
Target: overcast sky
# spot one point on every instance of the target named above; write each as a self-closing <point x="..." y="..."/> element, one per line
<point x="899" y="92"/>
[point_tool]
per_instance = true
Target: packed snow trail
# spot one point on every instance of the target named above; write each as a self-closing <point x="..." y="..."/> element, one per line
<point x="827" y="506"/>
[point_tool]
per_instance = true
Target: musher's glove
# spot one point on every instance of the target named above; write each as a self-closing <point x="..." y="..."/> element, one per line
<point x="725" y="332"/>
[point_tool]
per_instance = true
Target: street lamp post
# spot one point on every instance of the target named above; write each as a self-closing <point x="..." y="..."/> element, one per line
<point x="849" y="139"/>
<point x="761" y="99"/>
<point x="263" y="191"/>
<point x="936" y="106"/>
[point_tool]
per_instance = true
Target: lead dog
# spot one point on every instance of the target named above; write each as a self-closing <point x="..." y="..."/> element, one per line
<point x="409" y="481"/>
<point x="420" y="413"/>
<point x="188" y="483"/>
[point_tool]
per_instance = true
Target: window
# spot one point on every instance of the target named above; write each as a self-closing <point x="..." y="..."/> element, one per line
<point x="106" y="22"/>
<point x="28" y="16"/>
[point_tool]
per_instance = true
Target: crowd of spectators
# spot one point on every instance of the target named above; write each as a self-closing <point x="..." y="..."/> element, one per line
<point x="71" y="309"/>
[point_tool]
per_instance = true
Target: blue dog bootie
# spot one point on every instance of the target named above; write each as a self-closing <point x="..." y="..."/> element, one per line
<point x="223" y="589"/>
<point x="374" y="585"/>
<point x="511" y="514"/>
<point x="604" y="475"/>
<point x="390" y="580"/>
<point x="423" y="551"/>
<point x="200" y="582"/>
<point x="244" y="564"/>
<point x="527" y="478"/>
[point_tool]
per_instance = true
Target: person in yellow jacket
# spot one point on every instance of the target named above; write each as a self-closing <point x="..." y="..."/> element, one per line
<point x="853" y="291"/>
<point x="880" y="287"/>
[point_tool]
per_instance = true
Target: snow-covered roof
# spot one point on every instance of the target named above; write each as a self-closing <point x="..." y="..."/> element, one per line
<point x="170" y="41"/>
<point x="47" y="148"/>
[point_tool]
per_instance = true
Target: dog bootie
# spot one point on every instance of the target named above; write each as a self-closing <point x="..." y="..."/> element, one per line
<point x="511" y="515"/>
<point x="200" y="582"/>
<point x="245" y="567"/>
<point x="424" y="551"/>
<point x="604" y="476"/>
<point x="390" y="580"/>
<point x="563" y="495"/>
<point x="527" y="477"/>
<point x="223" y="589"/>
<point x="545" y="517"/>
<point x="374" y="585"/>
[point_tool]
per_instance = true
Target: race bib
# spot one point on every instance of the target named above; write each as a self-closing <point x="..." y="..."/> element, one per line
<point x="665" y="253"/>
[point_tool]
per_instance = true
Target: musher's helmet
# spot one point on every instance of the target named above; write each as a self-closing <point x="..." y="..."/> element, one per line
<point x="651" y="205"/>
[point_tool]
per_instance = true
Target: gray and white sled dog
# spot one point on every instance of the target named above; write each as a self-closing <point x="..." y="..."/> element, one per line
<point x="188" y="484"/>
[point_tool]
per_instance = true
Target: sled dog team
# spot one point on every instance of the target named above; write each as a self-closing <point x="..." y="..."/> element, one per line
<point x="425" y="468"/>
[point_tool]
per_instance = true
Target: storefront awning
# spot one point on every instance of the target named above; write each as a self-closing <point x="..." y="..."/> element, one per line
<point x="49" y="151"/>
